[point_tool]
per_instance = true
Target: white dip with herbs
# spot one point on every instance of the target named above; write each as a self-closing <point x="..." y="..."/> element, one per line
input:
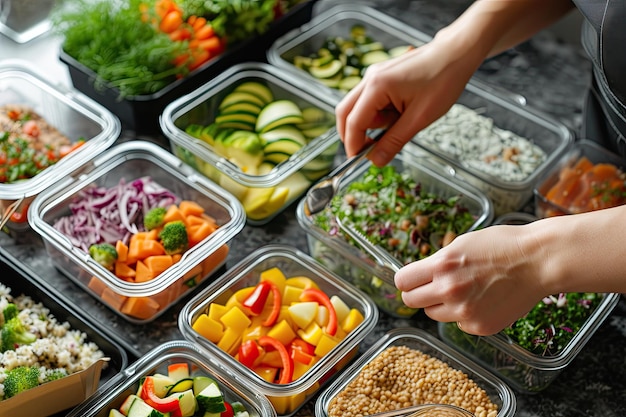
<point x="474" y="141"/>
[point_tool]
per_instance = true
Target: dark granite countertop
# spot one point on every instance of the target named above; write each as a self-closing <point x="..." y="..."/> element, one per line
<point x="552" y="77"/>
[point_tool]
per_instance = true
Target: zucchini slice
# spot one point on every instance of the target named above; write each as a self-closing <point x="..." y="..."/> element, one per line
<point x="240" y="97"/>
<point x="243" y="121"/>
<point x="286" y="132"/>
<point x="329" y="70"/>
<point x="242" y="107"/>
<point x="260" y="90"/>
<point x="374" y="57"/>
<point x="278" y="113"/>
<point x="285" y="146"/>
<point x="348" y="83"/>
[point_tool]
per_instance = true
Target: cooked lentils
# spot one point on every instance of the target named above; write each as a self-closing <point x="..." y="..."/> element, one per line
<point x="401" y="377"/>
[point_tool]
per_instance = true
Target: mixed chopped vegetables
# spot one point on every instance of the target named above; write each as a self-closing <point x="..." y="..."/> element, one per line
<point x="394" y="211"/>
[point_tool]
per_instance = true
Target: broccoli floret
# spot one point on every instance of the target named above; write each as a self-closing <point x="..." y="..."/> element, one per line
<point x="14" y="333"/>
<point x="20" y="379"/>
<point x="174" y="237"/>
<point x="154" y="218"/>
<point x="104" y="253"/>
<point x="9" y="312"/>
<point x="54" y="374"/>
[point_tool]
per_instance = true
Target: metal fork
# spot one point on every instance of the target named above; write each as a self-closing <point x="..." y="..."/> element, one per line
<point x="381" y="256"/>
<point x="426" y="410"/>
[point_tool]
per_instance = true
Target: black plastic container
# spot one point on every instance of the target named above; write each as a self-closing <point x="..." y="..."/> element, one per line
<point x="23" y="281"/>
<point x="141" y="113"/>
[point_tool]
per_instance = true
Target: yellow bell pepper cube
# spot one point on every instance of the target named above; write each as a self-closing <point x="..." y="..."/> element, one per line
<point x="282" y="332"/>
<point x="276" y="276"/>
<point x="268" y="373"/>
<point x="296" y="400"/>
<point x="300" y="369"/>
<point x="325" y="345"/>
<point x="235" y="319"/>
<point x="216" y="311"/>
<point x="311" y="334"/>
<point x="353" y="319"/>
<point x="230" y="341"/>
<point x="208" y="328"/>
<point x="280" y="404"/>
<point x="301" y="282"/>
<point x="272" y="358"/>
<point x="291" y="294"/>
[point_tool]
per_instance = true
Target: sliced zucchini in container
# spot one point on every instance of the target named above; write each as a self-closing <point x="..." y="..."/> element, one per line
<point x="315" y="131"/>
<point x="322" y="60"/>
<point x="285" y="146"/>
<point x="332" y="82"/>
<point x="211" y="399"/>
<point x="348" y="83"/>
<point x="399" y="50"/>
<point x="243" y="121"/>
<point x="372" y="46"/>
<point x="329" y="70"/>
<point x="314" y="115"/>
<point x="287" y="132"/>
<point x="278" y="113"/>
<point x="262" y="91"/>
<point x="302" y="62"/>
<point x="374" y="57"/>
<point x="276" y="157"/>
<point x="242" y="107"/>
<point x="240" y="97"/>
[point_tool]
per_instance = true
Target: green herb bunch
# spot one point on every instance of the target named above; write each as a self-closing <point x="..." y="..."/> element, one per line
<point x="111" y="39"/>
<point x="553" y="322"/>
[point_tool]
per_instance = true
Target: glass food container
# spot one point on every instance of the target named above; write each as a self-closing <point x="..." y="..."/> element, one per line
<point x="159" y="361"/>
<point x="257" y="131"/>
<point x="335" y="352"/>
<point x="71" y="113"/>
<point x="494" y="391"/>
<point x="136" y="163"/>
<point x="355" y="264"/>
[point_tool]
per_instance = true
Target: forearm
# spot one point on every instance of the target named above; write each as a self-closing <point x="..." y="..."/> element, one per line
<point x="581" y="253"/>
<point x="489" y="27"/>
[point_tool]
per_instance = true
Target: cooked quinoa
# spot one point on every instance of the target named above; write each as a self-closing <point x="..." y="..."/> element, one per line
<point x="401" y="377"/>
<point x="58" y="346"/>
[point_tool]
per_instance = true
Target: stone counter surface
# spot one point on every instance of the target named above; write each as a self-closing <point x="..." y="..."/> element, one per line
<point x="552" y="78"/>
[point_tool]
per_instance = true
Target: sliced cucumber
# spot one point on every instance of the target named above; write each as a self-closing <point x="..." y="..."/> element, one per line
<point x="329" y="70"/>
<point x="240" y="97"/>
<point x="200" y="383"/>
<point x="180" y="386"/>
<point x="276" y="157"/>
<point x="139" y="408"/>
<point x="211" y="399"/>
<point x="239" y="409"/>
<point x="260" y="90"/>
<point x="314" y="115"/>
<point x="278" y="113"/>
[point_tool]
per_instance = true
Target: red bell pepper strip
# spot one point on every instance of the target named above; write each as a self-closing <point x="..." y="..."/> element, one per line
<point x="277" y="303"/>
<point x="163" y="405"/>
<point x="286" y="373"/>
<point x="255" y="302"/>
<point x="249" y="352"/>
<point x="303" y="346"/>
<point x="320" y="297"/>
<point x="229" y="410"/>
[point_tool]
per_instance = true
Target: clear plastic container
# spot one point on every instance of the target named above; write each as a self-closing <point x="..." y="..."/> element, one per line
<point x="337" y="22"/>
<point x="357" y="266"/>
<point x="72" y="113"/>
<point x="570" y="166"/>
<point x="157" y="361"/>
<point x="550" y="135"/>
<point x="525" y="371"/>
<point x="286" y="398"/>
<point x="25" y="20"/>
<point x="497" y="391"/>
<point x="264" y="189"/>
<point x="129" y="161"/>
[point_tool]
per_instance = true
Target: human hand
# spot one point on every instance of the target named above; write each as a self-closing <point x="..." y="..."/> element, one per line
<point x="484" y="280"/>
<point x="404" y="95"/>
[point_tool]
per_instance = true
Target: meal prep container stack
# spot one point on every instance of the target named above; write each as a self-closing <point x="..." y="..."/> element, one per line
<point x="75" y="115"/>
<point x="125" y="163"/>
<point x="382" y="38"/>
<point x="286" y="398"/>
<point x="587" y="177"/>
<point x="58" y="395"/>
<point x="355" y="264"/>
<point x="141" y="113"/>
<point x="497" y="392"/>
<point x="157" y="361"/>
<point x="270" y="180"/>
